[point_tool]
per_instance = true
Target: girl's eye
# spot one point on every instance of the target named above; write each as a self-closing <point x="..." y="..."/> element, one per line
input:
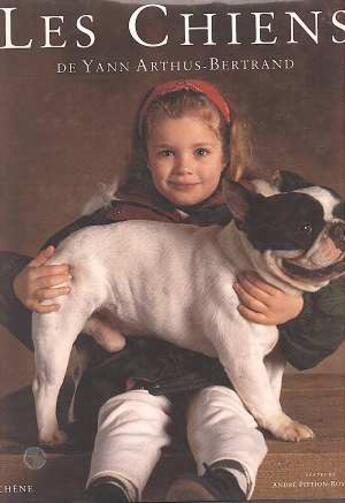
<point x="166" y="153"/>
<point x="201" y="152"/>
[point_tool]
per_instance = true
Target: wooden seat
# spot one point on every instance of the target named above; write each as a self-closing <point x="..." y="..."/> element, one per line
<point x="308" y="470"/>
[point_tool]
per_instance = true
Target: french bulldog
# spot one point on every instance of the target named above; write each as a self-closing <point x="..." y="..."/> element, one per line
<point x="175" y="282"/>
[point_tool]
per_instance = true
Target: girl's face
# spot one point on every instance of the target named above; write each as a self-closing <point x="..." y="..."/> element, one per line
<point x="185" y="157"/>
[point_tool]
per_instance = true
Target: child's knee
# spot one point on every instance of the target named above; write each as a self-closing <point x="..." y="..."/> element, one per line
<point x="135" y="405"/>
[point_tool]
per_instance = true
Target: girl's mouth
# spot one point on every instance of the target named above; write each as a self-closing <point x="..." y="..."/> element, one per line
<point x="183" y="186"/>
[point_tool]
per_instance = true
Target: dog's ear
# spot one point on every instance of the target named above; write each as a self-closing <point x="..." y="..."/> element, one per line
<point x="239" y="199"/>
<point x="287" y="181"/>
<point x="280" y="181"/>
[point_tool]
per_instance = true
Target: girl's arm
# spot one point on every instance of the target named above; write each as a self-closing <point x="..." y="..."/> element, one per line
<point x="38" y="282"/>
<point x="311" y="327"/>
<point x="319" y="330"/>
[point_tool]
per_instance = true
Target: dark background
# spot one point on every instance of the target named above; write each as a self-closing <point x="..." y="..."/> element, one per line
<point x="61" y="134"/>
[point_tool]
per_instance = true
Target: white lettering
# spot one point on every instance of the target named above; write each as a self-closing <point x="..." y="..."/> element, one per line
<point x="294" y="17"/>
<point x="132" y="25"/>
<point x="49" y="30"/>
<point x="339" y="25"/>
<point x="188" y="29"/>
<point x="8" y="31"/>
<point x="259" y="27"/>
<point x="89" y="33"/>
<point x="233" y="16"/>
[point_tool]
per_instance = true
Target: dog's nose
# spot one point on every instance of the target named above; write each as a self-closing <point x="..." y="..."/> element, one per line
<point x="337" y="234"/>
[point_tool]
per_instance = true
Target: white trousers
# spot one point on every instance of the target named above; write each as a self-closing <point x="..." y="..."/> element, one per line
<point x="132" y="430"/>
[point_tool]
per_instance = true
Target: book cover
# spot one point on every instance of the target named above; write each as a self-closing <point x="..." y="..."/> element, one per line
<point x="72" y="76"/>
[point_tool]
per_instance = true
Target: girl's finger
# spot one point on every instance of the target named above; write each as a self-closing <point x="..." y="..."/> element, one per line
<point x="51" y="281"/>
<point x="42" y="256"/>
<point x="42" y="309"/>
<point x="254" y="279"/>
<point x="51" y="293"/>
<point x="248" y="300"/>
<point x="50" y="270"/>
<point x="252" y="316"/>
<point x="253" y="290"/>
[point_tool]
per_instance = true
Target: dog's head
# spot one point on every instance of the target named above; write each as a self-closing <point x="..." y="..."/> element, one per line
<point x="299" y="228"/>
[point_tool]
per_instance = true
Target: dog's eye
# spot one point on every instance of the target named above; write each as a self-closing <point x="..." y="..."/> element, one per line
<point x="307" y="228"/>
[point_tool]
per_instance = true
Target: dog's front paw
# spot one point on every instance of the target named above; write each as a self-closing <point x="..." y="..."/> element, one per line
<point x="56" y="439"/>
<point x="287" y="429"/>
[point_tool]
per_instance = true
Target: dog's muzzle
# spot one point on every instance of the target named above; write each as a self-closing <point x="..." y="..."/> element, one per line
<point x="326" y="258"/>
<point x="337" y="234"/>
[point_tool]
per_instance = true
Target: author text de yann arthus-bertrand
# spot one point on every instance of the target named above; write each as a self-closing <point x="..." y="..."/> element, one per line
<point x="310" y="24"/>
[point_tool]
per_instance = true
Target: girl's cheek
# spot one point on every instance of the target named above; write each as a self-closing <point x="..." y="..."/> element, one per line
<point x="158" y="178"/>
<point x="163" y="168"/>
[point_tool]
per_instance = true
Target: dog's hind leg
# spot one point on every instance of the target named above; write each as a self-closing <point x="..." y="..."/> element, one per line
<point x="53" y="336"/>
<point x="78" y="363"/>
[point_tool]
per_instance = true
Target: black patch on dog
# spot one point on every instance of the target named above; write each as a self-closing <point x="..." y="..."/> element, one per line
<point x="290" y="221"/>
<point x="337" y="234"/>
<point x="339" y="211"/>
<point x="289" y="181"/>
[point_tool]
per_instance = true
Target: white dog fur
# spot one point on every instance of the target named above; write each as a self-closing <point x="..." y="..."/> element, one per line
<point x="174" y="282"/>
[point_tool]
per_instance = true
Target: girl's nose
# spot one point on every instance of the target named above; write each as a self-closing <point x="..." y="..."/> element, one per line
<point x="183" y="165"/>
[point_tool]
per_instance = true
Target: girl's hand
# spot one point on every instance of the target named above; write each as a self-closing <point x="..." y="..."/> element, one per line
<point x="263" y="303"/>
<point x="37" y="282"/>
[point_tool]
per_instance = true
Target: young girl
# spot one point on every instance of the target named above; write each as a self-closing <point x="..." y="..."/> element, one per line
<point x="186" y="139"/>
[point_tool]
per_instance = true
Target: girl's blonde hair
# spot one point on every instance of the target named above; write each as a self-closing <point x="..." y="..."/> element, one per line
<point x="235" y="136"/>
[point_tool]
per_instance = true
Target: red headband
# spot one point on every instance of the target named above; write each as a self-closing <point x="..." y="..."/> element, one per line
<point x="172" y="86"/>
